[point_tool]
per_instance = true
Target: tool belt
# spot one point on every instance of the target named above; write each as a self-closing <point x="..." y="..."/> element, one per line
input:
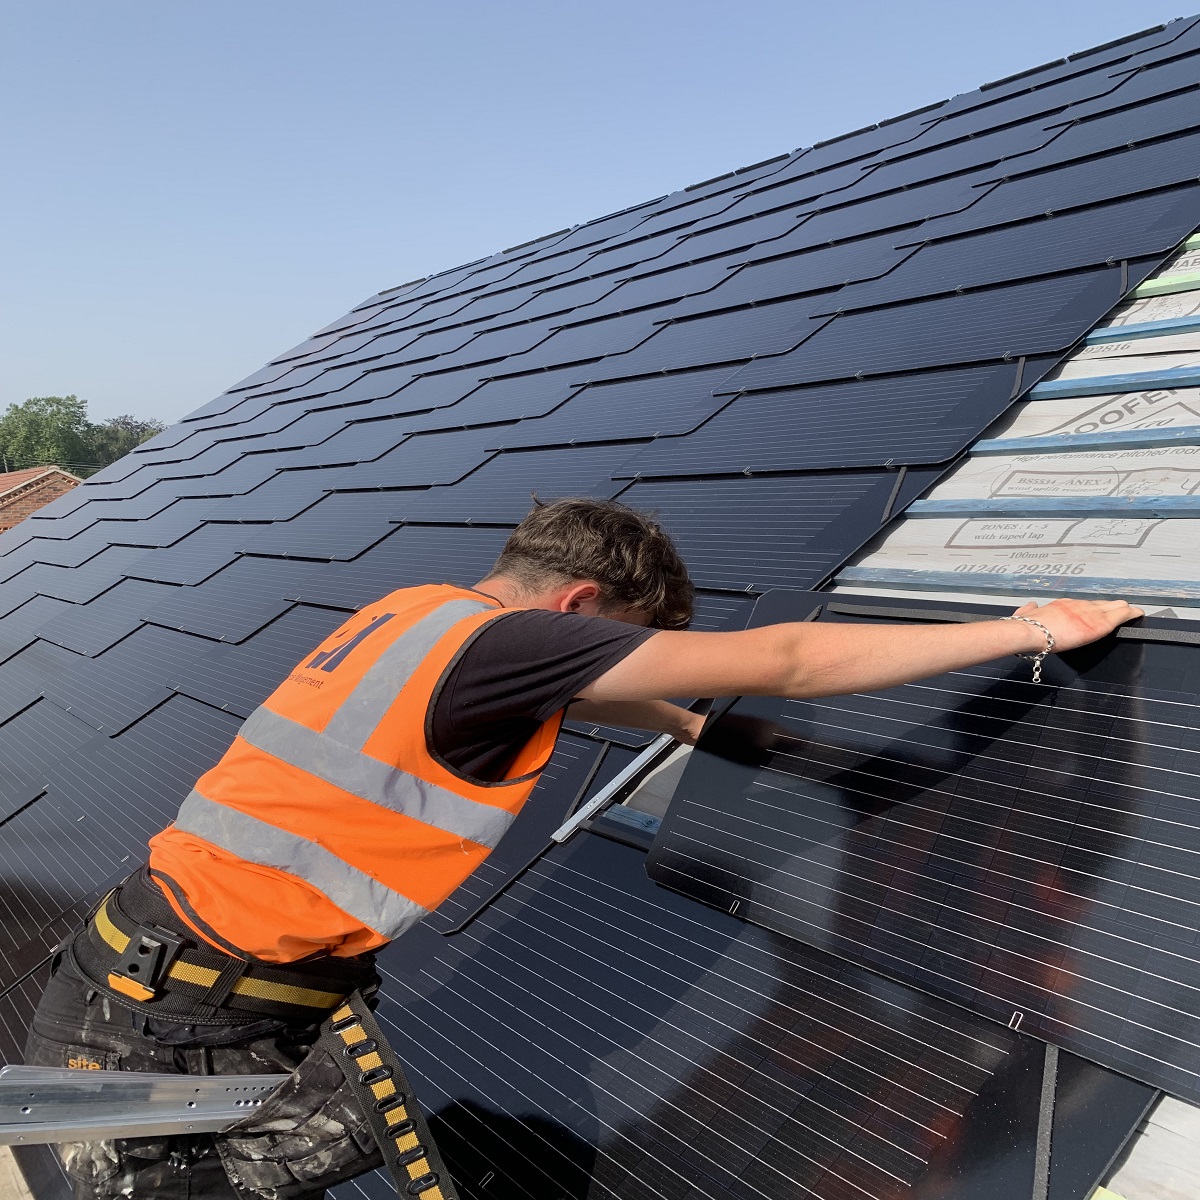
<point x="357" y="1044"/>
<point x="131" y="947"/>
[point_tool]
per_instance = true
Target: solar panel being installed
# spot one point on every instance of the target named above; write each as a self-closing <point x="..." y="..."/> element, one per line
<point x="1026" y="850"/>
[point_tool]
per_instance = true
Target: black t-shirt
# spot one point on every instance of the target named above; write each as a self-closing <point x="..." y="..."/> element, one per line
<point x="520" y="670"/>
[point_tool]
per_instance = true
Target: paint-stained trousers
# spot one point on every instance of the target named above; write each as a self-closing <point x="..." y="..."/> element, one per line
<point x="310" y="1135"/>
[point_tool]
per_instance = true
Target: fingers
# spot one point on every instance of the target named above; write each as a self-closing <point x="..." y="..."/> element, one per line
<point x="1076" y="622"/>
<point x="1026" y="609"/>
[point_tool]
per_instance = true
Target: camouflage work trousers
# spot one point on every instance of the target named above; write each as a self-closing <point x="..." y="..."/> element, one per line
<point x="310" y="1135"/>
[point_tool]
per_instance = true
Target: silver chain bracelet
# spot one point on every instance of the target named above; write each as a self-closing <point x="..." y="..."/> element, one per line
<point x="1041" y="654"/>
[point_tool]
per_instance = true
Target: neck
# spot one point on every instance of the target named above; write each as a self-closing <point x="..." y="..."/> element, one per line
<point x="507" y="591"/>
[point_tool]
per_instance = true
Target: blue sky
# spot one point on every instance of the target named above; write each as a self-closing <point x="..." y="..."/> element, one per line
<point x="190" y="188"/>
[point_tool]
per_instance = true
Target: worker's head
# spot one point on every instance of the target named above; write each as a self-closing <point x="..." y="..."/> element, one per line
<point x="598" y="558"/>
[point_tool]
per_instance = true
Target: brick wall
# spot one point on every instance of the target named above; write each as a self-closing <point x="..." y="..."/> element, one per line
<point x="32" y="496"/>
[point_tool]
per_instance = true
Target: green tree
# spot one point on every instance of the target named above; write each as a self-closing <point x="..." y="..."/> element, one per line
<point x="114" y="438"/>
<point x="56" y="429"/>
<point x="46" y="429"/>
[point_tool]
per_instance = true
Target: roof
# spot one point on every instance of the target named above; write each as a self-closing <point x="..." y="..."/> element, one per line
<point x="779" y="361"/>
<point x="10" y="481"/>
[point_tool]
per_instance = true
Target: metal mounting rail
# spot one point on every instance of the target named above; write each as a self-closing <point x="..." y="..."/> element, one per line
<point x="61" y="1104"/>
<point x="607" y="794"/>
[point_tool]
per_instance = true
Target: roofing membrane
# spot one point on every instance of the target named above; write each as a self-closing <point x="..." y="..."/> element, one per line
<point x="782" y="362"/>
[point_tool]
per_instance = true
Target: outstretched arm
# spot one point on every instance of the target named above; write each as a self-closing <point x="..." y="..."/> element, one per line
<point x="815" y="659"/>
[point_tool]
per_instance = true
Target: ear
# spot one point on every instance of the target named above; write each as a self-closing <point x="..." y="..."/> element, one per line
<point x="581" y="598"/>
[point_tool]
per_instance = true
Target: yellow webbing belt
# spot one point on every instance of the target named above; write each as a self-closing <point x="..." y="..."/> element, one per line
<point x="410" y="1154"/>
<point x="205" y="977"/>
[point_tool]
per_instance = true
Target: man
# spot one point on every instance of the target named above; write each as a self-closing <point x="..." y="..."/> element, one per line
<point x="371" y="784"/>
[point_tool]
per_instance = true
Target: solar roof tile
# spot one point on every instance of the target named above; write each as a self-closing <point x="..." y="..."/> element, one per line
<point x="410" y="555"/>
<point x="1145" y="225"/>
<point x="1090" y="181"/>
<point x="812" y="270"/>
<point x="1134" y="87"/>
<point x="501" y="491"/>
<point x="593" y="339"/>
<point x="720" y="338"/>
<point x="27" y="676"/>
<point x="1157" y="119"/>
<point x="602" y="229"/>
<point x="120" y="685"/>
<point x="163" y="528"/>
<point x="752" y="533"/>
<point x="413" y="393"/>
<point x="1032" y="317"/>
<point x="923" y="418"/>
<point x="92" y="627"/>
<point x="661" y="287"/>
<point x="543" y="270"/>
<point x="340" y="525"/>
<point x="32" y="741"/>
<point x="428" y="458"/>
<point x="234" y="603"/>
<point x="509" y="398"/>
<point x="193" y="558"/>
<point x="567" y="298"/>
<point x="1147" y="47"/>
<point x="622" y="1038"/>
<point x="630" y="254"/>
<point x="679" y="217"/>
<point x="906" y="209"/>
<point x="1009" y="149"/>
<point x="79" y="584"/>
<point x="359" y="441"/>
<point x="731" y="238"/>
<point x="654" y="407"/>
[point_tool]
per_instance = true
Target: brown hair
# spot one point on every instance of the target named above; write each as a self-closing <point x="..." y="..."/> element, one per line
<point x="626" y="552"/>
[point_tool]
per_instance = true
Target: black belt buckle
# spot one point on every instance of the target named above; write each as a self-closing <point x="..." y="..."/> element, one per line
<point x="146" y="960"/>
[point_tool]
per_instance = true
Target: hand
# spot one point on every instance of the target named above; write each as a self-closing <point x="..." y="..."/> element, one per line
<point x="1077" y="622"/>
<point x="690" y="728"/>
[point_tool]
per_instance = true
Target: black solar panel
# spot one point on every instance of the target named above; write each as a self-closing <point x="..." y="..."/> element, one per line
<point x="1144" y="225"/>
<point x="1034" y="317"/>
<point x="1024" y="850"/>
<point x="340" y="525"/>
<point x="720" y="338"/>
<point x="591" y="1035"/>
<point x="92" y="627"/>
<point x="411" y="555"/>
<point x="654" y="407"/>
<point x="501" y="491"/>
<point x="509" y="398"/>
<point x="923" y="418"/>
<point x="752" y="533"/>
<point x="1091" y="181"/>
<point x="232" y="604"/>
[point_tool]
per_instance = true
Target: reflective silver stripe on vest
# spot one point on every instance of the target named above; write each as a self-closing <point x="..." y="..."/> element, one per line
<point x="359" y="714"/>
<point x="373" y="780"/>
<point x="353" y="891"/>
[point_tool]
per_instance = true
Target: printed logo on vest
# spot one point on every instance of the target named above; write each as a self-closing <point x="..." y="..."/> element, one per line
<point x="330" y="660"/>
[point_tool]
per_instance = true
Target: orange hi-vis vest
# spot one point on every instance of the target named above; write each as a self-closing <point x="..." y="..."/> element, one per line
<point x="330" y="826"/>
